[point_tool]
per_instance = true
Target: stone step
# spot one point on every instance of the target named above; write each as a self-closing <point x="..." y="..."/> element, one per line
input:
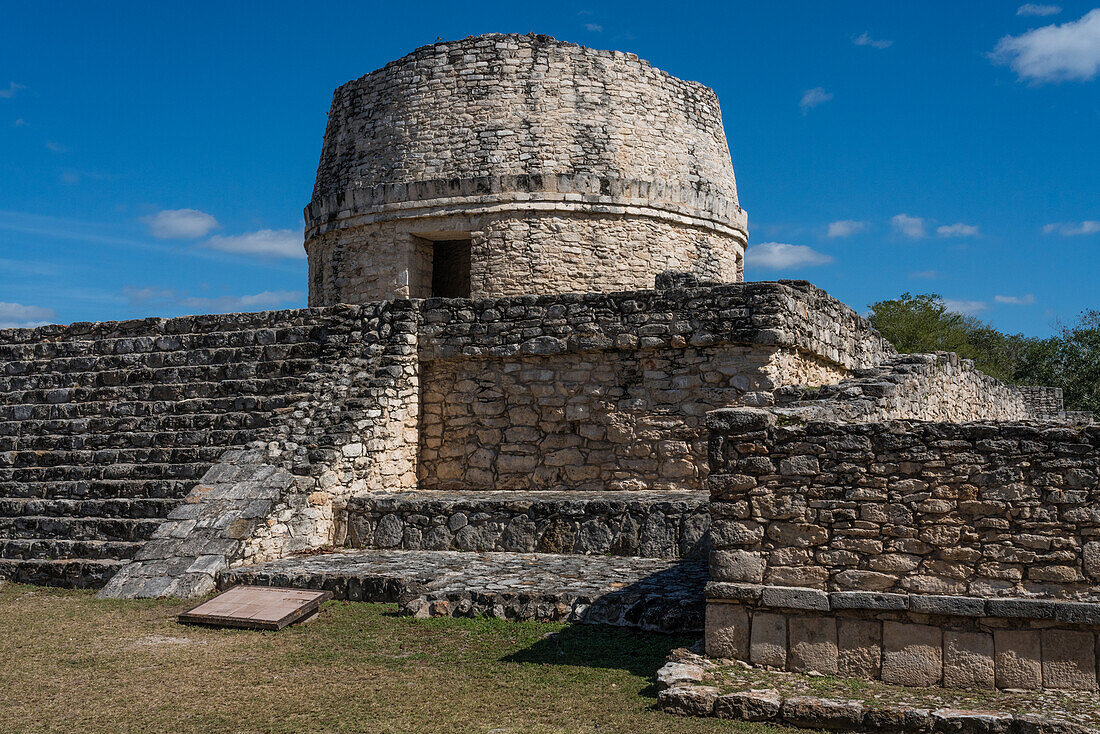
<point x="648" y="593"/>
<point x="86" y="458"/>
<point x="136" y="508"/>
<point x="121" y="439"/>
<point x="153" y="391"/>
<point x="78" y="573"/>
<point x="41" y="527"/>
<point x="141" y="470"/>
<point x="108" y="426"/>
<point x="52" y="549"/>
<point x="100" y="489"/>
<point x="231" y="342"/>
<point x="646" y="524"/>
<point x="49" y="374"/>
<point x="12" y="411"/>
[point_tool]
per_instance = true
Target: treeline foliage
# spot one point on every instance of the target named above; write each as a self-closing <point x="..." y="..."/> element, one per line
<point x="1070" y="359"/>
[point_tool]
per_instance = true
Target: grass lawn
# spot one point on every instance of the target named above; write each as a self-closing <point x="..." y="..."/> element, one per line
<point x="70" y="662"/>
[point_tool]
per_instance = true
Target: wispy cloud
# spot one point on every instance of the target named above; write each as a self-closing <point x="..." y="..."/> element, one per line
<point x="925" y="274"/>
<point x="866" y="40"/>
<point x="593" y="27"/>
<point x="781" y="256"/>
<point x="813" y="98"/>
<point x="1016" y="300"/>
<point x="265" y="242"/>
<point x="56" y="147"/>
<point x="1033" y="9"/>
<point x="20" y="316"/>
<point x="1054" y="53"/>
<point x="846" y="228"/>
<point x="173" y="301"/>
<point x="1072" y="229"/>
<point x="911" y="227"/>
<point x="957" y="230"/>
<point x="966" y="308"/>
<point x="19" y="122"/>
<point x="10" y="91"/>
<point x="180" y="224"/>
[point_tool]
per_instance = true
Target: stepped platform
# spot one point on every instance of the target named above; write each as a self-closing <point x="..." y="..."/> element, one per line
<point x="618" y="523"/>
<point x="647" y="593"/>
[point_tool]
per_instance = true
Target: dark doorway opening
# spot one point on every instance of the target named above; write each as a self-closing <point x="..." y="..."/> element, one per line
<point x="451" y="269"/>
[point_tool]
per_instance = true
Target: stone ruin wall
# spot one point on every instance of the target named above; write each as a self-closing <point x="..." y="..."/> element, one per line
<point x="548" y="155"/>
<point x="511" y="251"/>
<point x="920" y="553"/>
<point x="610" y="391"/>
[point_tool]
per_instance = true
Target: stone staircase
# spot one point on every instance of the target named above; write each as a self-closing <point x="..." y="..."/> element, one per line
<point x="633" y="559"/>
<point x="104" y="428"/>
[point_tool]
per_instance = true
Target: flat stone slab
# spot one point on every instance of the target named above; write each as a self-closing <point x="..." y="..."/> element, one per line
<point x="648" y="593"/>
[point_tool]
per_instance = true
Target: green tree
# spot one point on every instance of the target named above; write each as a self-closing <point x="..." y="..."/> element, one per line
<point x="924" y="323"/>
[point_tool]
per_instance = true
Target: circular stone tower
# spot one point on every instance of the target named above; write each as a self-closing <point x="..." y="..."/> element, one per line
<point x="504" y="164"/>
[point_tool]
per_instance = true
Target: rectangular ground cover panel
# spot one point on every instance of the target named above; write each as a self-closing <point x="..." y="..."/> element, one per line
<point x="256" y="607"/>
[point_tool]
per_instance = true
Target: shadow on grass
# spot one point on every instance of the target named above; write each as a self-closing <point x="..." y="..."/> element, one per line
<point x="599" y="646"/>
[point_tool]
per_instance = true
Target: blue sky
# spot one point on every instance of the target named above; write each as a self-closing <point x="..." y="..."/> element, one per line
<point x="155" y="157"/>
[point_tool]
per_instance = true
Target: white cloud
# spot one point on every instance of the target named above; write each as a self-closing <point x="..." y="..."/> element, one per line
<point x="813" y="97"/>
<point x="18" y="316"/>
<point x="966" y="308"/>
<point x="267" y="242"/>
<point x="1016" y="300"/>
<point x="1033" y="9"/>
<point x="866" y="40"/>
<point x="56" y="147"/>
<point x="1054" y="53"/>
<point x="594" y="27"/>
<point x="957" y="230"/>
<point x="846" y="228"/>
<point x="70" y="177"/>
<point x="780" y="256"/>
<point x="169" y="299"/>
<point x="10" y="91"/>
<point x="20" y="122"/>
<point x="1072" y="229"/>
<point x="926" y="274"/>
<point x="180" y="224"/>
<point x="911" y="227"/>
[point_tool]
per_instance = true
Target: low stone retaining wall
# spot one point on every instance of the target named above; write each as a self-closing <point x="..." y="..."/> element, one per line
<point x="690" y="685"/>
<point x="646" y="524"/>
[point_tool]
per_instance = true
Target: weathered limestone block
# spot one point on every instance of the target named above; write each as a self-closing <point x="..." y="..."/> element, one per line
<point x="768" y="640"/>
<point x="762" y="705"/>
<point x="812" y="645"/>
<point x="1018" y="659"/>
<point x="859" y="645"/>
<point x="727" y="631"/>
<point x="1069" y="660"/>
<point x="968" y="660"/>
<point x="912" y="654"/>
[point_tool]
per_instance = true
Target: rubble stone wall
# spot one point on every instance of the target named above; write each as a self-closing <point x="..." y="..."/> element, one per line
<point x="609" y="391"/>
<point x="983" y="510"/>
<point x="608" y="419"/>
<point x="926" y="387"/>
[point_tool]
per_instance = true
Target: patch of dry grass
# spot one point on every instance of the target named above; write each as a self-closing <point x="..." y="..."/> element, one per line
<point x="69" y="662"/>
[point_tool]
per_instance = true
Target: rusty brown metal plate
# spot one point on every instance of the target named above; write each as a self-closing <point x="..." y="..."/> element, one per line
<point x="256" y="607"/>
